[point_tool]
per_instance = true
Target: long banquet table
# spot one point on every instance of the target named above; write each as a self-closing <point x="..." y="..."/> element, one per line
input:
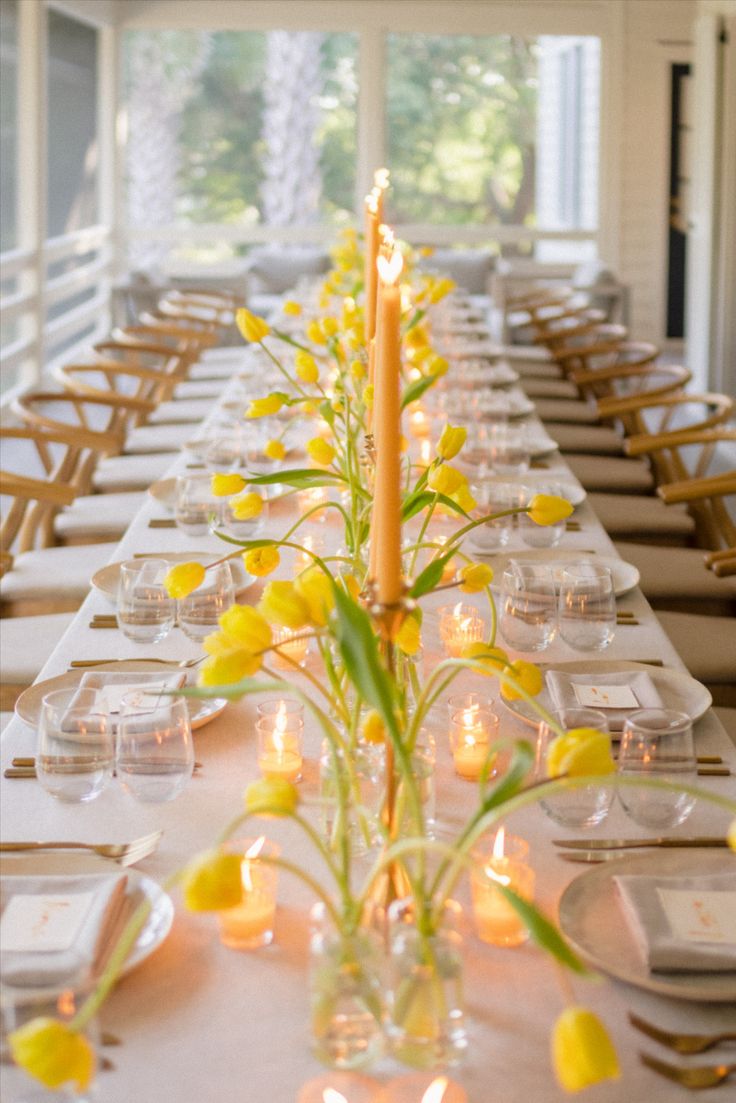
<point x="201" y="1022"/>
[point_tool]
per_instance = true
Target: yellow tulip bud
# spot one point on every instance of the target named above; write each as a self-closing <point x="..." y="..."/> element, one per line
<point x="245" y="627"/>
<point x="315" y="588"/>
<point x="306" y="367"/>
<point x="437" y="366"/>
<point x="527" y="675"/>
<point x="475" y="577"/>
<point x="315" y="334"/>
<point x="224" y="485"/>
<point x="251" y="326"/>
<point x="409" y="636"/>
<point x="358" y="370"/>
<point x="320" y="451"/>
<point x="52" y="1053"/>
<point x="274" y="449"/>
<point x="582" y="1052"/>
<point x="548" y="509"/>
<point x="445" y="479"/>
<point x="351" y="585"/>
<point x="292" y="308"/>
<point x="229" y="667"/>
<point x="579" y="753"/>
<point x="261" y="561"/>
<point x="183" y="579"/>
<point x="271" y="797"/>
<point x="373" y="729"/>
<point x="451" y="441"/>
<point x="247" y="507"/>
<point x="213" y="881"/>
<point x="265" y="407"/>
<point x="330" y="326"/>
<point x="368" y="393"/>
<point x="464" y="498"/>
<point x="282" y="604"/>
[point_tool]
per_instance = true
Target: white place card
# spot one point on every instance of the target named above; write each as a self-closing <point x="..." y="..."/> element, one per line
<point x="700" y="916"/>
<point x="112" y="694"/>
<point x="605" y="697"/>
<point x="43" y="922"/>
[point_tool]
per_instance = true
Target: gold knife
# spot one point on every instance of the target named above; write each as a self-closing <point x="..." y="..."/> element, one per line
<point x="628" y="844"/>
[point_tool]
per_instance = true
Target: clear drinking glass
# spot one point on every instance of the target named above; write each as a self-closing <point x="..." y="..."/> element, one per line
<point x="155" y="755"/>
<point x="197" y="510"/>
<point x="199" y="612"/>
<point x="145" y="611"/>
<point x="528" y="607"/>
<point x="587" y="607"/>
<point x="583" y="806"/>
<point x="76" y="750"/>
<point x="249" y="528"/>
<point x="657" y="744"/>
<point x="540" y="536"/>
<point x="495" y="498"/>
<point x="510" y="453"/>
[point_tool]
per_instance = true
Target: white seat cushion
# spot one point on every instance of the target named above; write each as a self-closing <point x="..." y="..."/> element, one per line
<point x="117" y="473"/>
<point x="706" y="645"/>
<point x="97" y="516"/>
<point x="27" y="642"/>
<point x="598" y="440"/>
<point x="678" y="575"/>
<point x="611" y="474"/>
<point x="48" y="573"/>
<point x="156" y="438"/>
<point x="566" y="410"/>
<point x="178" y="412"/>
<point x="550" y="388"/>
<point x="640" y="518"/>
<point x="196" y="388"/>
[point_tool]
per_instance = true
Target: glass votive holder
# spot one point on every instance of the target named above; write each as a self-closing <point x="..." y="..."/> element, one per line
<point x="473" y="732"/>
<point x="506" y="864"/>
<point x="291" y="648"/>
<point x="280" y="706"/>
<point x="310" y="500"/>
<point x="280" y="747"/>
<point x="311" y="546"/>
<point x="249" y="924"/>
<point x="460" y="625"/>
<point x="461" y="702"/>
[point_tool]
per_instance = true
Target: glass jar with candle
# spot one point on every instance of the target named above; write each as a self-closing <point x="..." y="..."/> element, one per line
<point x="504" y="864"/>
<point x="473" y="733"/>
<point x="280" y="744"/>
<point x="249" y="924"/>
<point x="426" y="1022"/>
<point x="346" y="993"/>
<point x="460" y="625"/>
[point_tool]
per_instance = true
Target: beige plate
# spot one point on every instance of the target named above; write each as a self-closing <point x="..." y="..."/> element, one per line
<point x="678" y="690"/>
<point x="625" y="575"/>
<point x="28" y="705"/>
<point x="106" y="579"/>
<point x="591" y="917"/>
<point x="66" y="864"/>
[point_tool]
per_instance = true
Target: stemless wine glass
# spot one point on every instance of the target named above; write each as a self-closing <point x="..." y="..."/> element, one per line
<point x="657" y="744"/>
<point x="200" y="611"/>
<point x="509" y="449"/>
<point x="155" y="755"/>
<point x="587" y="606"/>
<point x="145" y="611"/>
<point x="196" y="508"/>
<point x="584" y="805"/>
<point x="76" y="750"/>
<point x="494" y="498"/>
<point x="541" y="536"/>
<point x="528" y="607"/>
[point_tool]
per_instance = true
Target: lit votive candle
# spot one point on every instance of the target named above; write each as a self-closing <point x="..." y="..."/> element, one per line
<point x="419" y="424"/>
<point x="280" y="745"/>
<point x="250" y="923"/>
<point x="311" y="546"/>
<point x="311" y="497"/>
<point x="291" y="648"/>
<point x="495" y="919"/>
<point x="472" y="731"/>
<point x="422" y="1087"/>
<point x="460" y="625"/>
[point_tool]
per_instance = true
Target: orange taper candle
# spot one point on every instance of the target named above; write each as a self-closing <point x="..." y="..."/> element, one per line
<point x="372" y="238"/>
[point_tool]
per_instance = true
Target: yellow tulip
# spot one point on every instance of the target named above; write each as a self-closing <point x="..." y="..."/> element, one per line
<point x="441" y="289"/>
<point x="368" y="394"/>
<point x="282" y="604"/>
<point x="451" y="441"/>
<point x="548" y="509"/>
<point x="292" y="308"/>
<point x="437" y="366"/>
<point x="245" y="627"/>
<point x="53" y="1053"/>
<point x="320" y="451"/>
<point x="330" y="326"/>
<point x="265" y="407"/>
<point x="464" y="498"/>
<point x="271" y="797"/>
<point x="351" y="585"/>
<point x="274" y="449"/>
<point x="409" y="636"/>
<point x="358" y="370"/>
<point x="416" y="336"/>
<point x="315" y="588"/>
<point x="306" y="367"/>
<point x="373" y="729"/>
<point x="489" y="659"/>
<point x="579" y="753"/>
<point x="247" y="507"/>
<point x="420" y="354"/>
<point x="213" y="881"/>
<point x="582" y="1052"/>
<point x="225" y="485"/>
<point x="251" y="326"/>
<point x="527" y="675"/>
<point x="315" y="334"/>
<point x="229" y="667"/>
<point x="731" y="836"/>
<point x="445" y="479"/>
<point x="183" y="579"/>
<point x="475" y="577"/>
<point x="261" y="561"/>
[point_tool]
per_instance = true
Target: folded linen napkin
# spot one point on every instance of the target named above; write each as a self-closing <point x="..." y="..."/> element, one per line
<point x="682" y="924"/>
<point x="114" y="685"/>
<point x="643" y="693"/>
<point x="58" y="930"/>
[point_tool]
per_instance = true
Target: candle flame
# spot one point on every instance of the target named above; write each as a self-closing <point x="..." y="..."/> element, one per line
<point x="66" y="1003"/>
<point x="371" y="202"/>
<point x="330" y="1095"/>
<point x="279" y="730"/>
<point x="458" y="609"/>
<point x="251" y="853"/>
<point x="389" y="268"/>
<point x="380" y="178"/>
<point x="499" y="842"/>
<point x="388" y="236"/>
<point x="425" y="452"/>
<point x="501" y="878"/>
<point x="435" y="1093"/>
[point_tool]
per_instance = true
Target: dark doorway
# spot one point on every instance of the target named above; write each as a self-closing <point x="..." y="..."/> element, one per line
<point x="680" y="144"/>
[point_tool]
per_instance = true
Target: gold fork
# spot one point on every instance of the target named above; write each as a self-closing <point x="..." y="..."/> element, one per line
<point x="183" y="664"/>
<point x="124" y="853"/>
<point x="696" y="1077"/>
<point x="681" y="1043"/>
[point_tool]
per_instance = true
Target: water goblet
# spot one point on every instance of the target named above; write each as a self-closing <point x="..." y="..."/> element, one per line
<point x="587" y="606"/>
<point x="528" y="607"/>
<point x="155" y="754"/>
<point x="76" y="749"/>
<point x="145" y="612"/>
<point x="657" y="744"/>
<point x="584" y="805"/>
<point x="200" y="611"/>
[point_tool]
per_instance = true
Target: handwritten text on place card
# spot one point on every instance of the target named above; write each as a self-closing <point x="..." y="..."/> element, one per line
<point x="43" y="922"/>
<point x="700" y="916"/>
<point x="605" y="697"/>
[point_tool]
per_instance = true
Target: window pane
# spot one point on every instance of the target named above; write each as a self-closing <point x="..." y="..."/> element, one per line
<point x="465" y="139"/>
<point x="241" y="128"/>
<point x="72" y="125"/>
<point x="8" y="123"/>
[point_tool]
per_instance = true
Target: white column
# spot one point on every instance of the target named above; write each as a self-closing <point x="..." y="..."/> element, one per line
<point x="371" y="110"/>
<point x="32" y="168"/>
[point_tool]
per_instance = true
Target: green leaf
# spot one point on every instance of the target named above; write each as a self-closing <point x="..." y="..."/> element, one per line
<point x="299" y="477"/>
<point x="421" y="499"/>
<point x="233" y="692"/>
<point x="544" y="933"/>
<point x="514" y="777"/>
<point x="359" y="650"/>
<point x="415" y="319"/>
<point x="416" y="389"/>
<point x="326" y="412"/>
<point x="430" y="576"/>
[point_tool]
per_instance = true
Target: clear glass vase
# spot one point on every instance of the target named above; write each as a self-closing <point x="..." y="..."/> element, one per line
<point x="364" y="798"/>
<point x="347" y="1008"/>
<point x="426" y="1020"/>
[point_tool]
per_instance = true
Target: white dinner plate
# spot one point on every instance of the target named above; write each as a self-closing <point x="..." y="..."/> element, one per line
<point x="515" y="405"/>
<point x="563" y="485"/>
<point x="70" y="863"/>
<point x="678" y="690"/>
<point x="625" y="575"/>
<point x="592" y="919"/>
<point x="106" y="579"/>
<point x="28" y="705"/>
<point x="540" y="445"/>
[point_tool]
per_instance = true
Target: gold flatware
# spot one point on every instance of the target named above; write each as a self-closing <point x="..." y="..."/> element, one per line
<point x="124" y="853"/>
<point x="681" y="1043"/>
<point x="162" y="523"/>
<point x="694" y="1077"/>
<point x="29" y="772"/>
<point x="30" y="763"/>
<point x="102" y="624"/>
<point x="195" y="466"/>
<point x="183" y="664"/>
<point x="628" y="844"/>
